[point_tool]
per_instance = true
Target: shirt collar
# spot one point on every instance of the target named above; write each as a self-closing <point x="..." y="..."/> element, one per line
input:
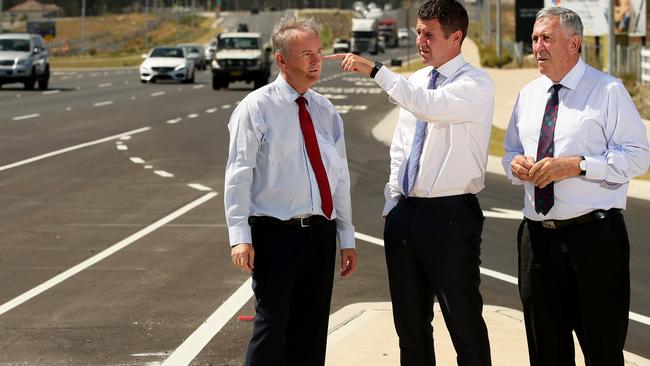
<point x="572" y="78"/>
<point x="289" y="93"/>
<point x="450" y="67"/>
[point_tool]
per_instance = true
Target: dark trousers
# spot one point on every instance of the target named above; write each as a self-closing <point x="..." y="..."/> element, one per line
<point x="292" y="282"/>
<point x="432" y="248"/>
<point x="575" y="279"/>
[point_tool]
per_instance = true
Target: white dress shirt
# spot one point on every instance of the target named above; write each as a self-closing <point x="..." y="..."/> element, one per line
<point x="268" y="171"/>
<point x="459" y="112"/>
<point x="596" y="119"/>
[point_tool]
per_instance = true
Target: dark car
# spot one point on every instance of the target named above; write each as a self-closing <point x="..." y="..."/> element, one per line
<point x="241" y="27"/>
<point x="255" y="10"/>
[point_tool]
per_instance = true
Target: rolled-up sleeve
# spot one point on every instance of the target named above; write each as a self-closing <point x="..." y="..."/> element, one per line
<point x="242" y="155"/>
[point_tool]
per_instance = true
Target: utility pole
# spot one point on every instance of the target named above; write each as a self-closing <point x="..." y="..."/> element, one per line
<point x="488" y="23"/>
<point x="498" y="21"/>
<point x="83" y="26"/>
<point x="611" y="38"/>
<point x="146" y="23"/>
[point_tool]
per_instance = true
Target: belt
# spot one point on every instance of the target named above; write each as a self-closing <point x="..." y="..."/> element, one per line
<point x="583" y="219"/>
<point x="296" y="222"/>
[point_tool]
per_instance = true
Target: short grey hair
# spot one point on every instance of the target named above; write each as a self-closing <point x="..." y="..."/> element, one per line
<point x="569" y="19"/>
<point x="285" y="31"/>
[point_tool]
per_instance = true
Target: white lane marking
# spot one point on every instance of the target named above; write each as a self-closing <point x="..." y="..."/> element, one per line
<point x="199" y="187"/>
<point x="132" y="98"/>
<point x="119" y="143"/>
<point x="198" y="86"/>
<point x="68" y="109"/>
<point x="211" y="110"/>
<point x="225" y="106"/>
<point x="94" y="74"/>
<point x="498" y="275"/>
<point x="50" y="92"/>
<point x="101" y="104"/>
<point x="71" y="148"/>
<point x="193" y="115"/>
<point x="148" y="166"/>
<point x="126" y="82"/>
<point x="103" y="254"/>
<point x="191" y="347"/>
<point x="156" y="94"/>
<point x="175" y="120"/>
<point x="151" y="354"/>
<point x="122" y="147"/>
<point x="27" y="116"/>
<point x="136" y="160"/>
<point x="105" y="85"/>
<point x="124" y="138"/>
<point x="17" y="95"/>
<point x="503" y="213"/>
<point x="163" y="173"/>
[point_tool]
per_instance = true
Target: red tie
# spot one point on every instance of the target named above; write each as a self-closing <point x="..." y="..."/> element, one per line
<point x="309" y="135"/>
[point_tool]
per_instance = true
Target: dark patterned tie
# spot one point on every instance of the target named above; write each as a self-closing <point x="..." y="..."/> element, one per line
<point x="413" y="162"/>
<point x="544" y="197"/>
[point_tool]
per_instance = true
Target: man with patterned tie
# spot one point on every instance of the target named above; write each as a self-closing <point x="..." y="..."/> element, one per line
<point x="434" y="221"/>
<point x="287" y="198"/>
<point x="575" y="140"/>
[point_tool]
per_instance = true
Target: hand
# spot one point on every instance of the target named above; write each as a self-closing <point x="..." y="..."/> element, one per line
<point x="520" y="166"/>
<point x="348" y="262"/>
<point x="352" y="62"/>
<point x="243" y="256"/>
<point x="548" y="170"/>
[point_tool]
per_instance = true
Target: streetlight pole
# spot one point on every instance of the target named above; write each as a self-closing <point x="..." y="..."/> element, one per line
<point x="146" y="22"/>
<point x="83" y="26"/>
<point x="498" y="21"/>
<point x="611" y="38"/>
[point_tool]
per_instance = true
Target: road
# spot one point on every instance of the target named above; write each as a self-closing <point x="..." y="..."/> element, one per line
<point x="114" y="247"/>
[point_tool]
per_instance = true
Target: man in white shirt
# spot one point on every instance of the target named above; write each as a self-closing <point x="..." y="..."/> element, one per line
<point x="438" y="160"/>
<point x="574" y="141"/>
<point x="287" y="199"/>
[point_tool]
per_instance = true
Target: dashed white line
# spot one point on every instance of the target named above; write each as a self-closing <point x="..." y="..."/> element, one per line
<point x="193" y="115"/>
<point x="27" y="116"/>
<point x="211" y="110"/>
<point x="71" y="148"/>
<point x="68" y="109"/>
<point x="198" y="86"/>
<point x="225" y="106"/>
<point x="124" y="138"/>
<point x="105" y="85"/>
<point x="199" y="187"/>
<point x="101" y="104"/>
<point x="175" y="120"/>
<point x="103" y="254"/>
<point x="163" y="173"/>
<point x="122" y="147"/>
<point x="50" y="92"/>
<point x="132" y="98"/>
<point x="136" y="160"/>
<point x="148" y="166"/>
<point x="157" y="94"/>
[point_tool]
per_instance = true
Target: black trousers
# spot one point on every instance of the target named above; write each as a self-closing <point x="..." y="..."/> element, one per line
<point x="292" y="282"/>
<point x="575" y="279"/>
<point x="433" y="250"/>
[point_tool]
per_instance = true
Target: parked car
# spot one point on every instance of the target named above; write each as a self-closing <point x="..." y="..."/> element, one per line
<point x="241" y="57"/>
<point x="341" y="45"/>
<point x="403" y="33"/>
<point x="24" y="59"/>
<point x="242" y="27"/>
<point x="167" y="63"/>
<point x="209" y="50"/>
<point x="196" y="53"/>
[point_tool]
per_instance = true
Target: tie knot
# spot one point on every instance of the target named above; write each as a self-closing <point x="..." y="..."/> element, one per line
<point x="555" y="88"/>
<point x="301" y="101"/>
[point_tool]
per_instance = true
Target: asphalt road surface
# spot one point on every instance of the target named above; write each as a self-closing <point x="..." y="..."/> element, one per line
<point x="113" y="245"/>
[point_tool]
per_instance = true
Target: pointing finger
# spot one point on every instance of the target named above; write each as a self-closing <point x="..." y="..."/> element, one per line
<point x="336" y="56"/>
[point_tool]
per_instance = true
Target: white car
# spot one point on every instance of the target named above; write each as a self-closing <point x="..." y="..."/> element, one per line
<point x="341" y="45"/>
<point x="196" y="53"/>
<point x="167" y="63"/>
<point x="402" y="33"/>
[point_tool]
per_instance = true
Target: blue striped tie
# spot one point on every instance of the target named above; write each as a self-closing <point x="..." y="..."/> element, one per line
<point x="413" y="162"/>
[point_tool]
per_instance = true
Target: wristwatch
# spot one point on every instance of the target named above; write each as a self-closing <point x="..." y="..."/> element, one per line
<point x="375" y="69"/>
<point x="583" y="166"/>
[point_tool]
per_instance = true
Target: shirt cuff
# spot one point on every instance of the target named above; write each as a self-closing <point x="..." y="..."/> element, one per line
<point x="239" y="235"/>
<point x="388" y="206"/>
<point x="596" y="167"/>
<point x="385" y="78"/>
<point x="346" y="239"/>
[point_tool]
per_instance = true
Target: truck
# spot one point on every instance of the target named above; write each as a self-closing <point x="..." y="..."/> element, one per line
<point x="241" y="56"/>
<point x="388" y="30"/>
<point x="364" y="36"/>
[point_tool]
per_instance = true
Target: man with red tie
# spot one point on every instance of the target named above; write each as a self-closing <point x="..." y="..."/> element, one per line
<point x="287" y="199"/>
<point x="575" y="140"/>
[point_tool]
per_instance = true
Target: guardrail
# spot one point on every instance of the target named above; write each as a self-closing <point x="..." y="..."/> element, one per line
<point x="645" y="66"/>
